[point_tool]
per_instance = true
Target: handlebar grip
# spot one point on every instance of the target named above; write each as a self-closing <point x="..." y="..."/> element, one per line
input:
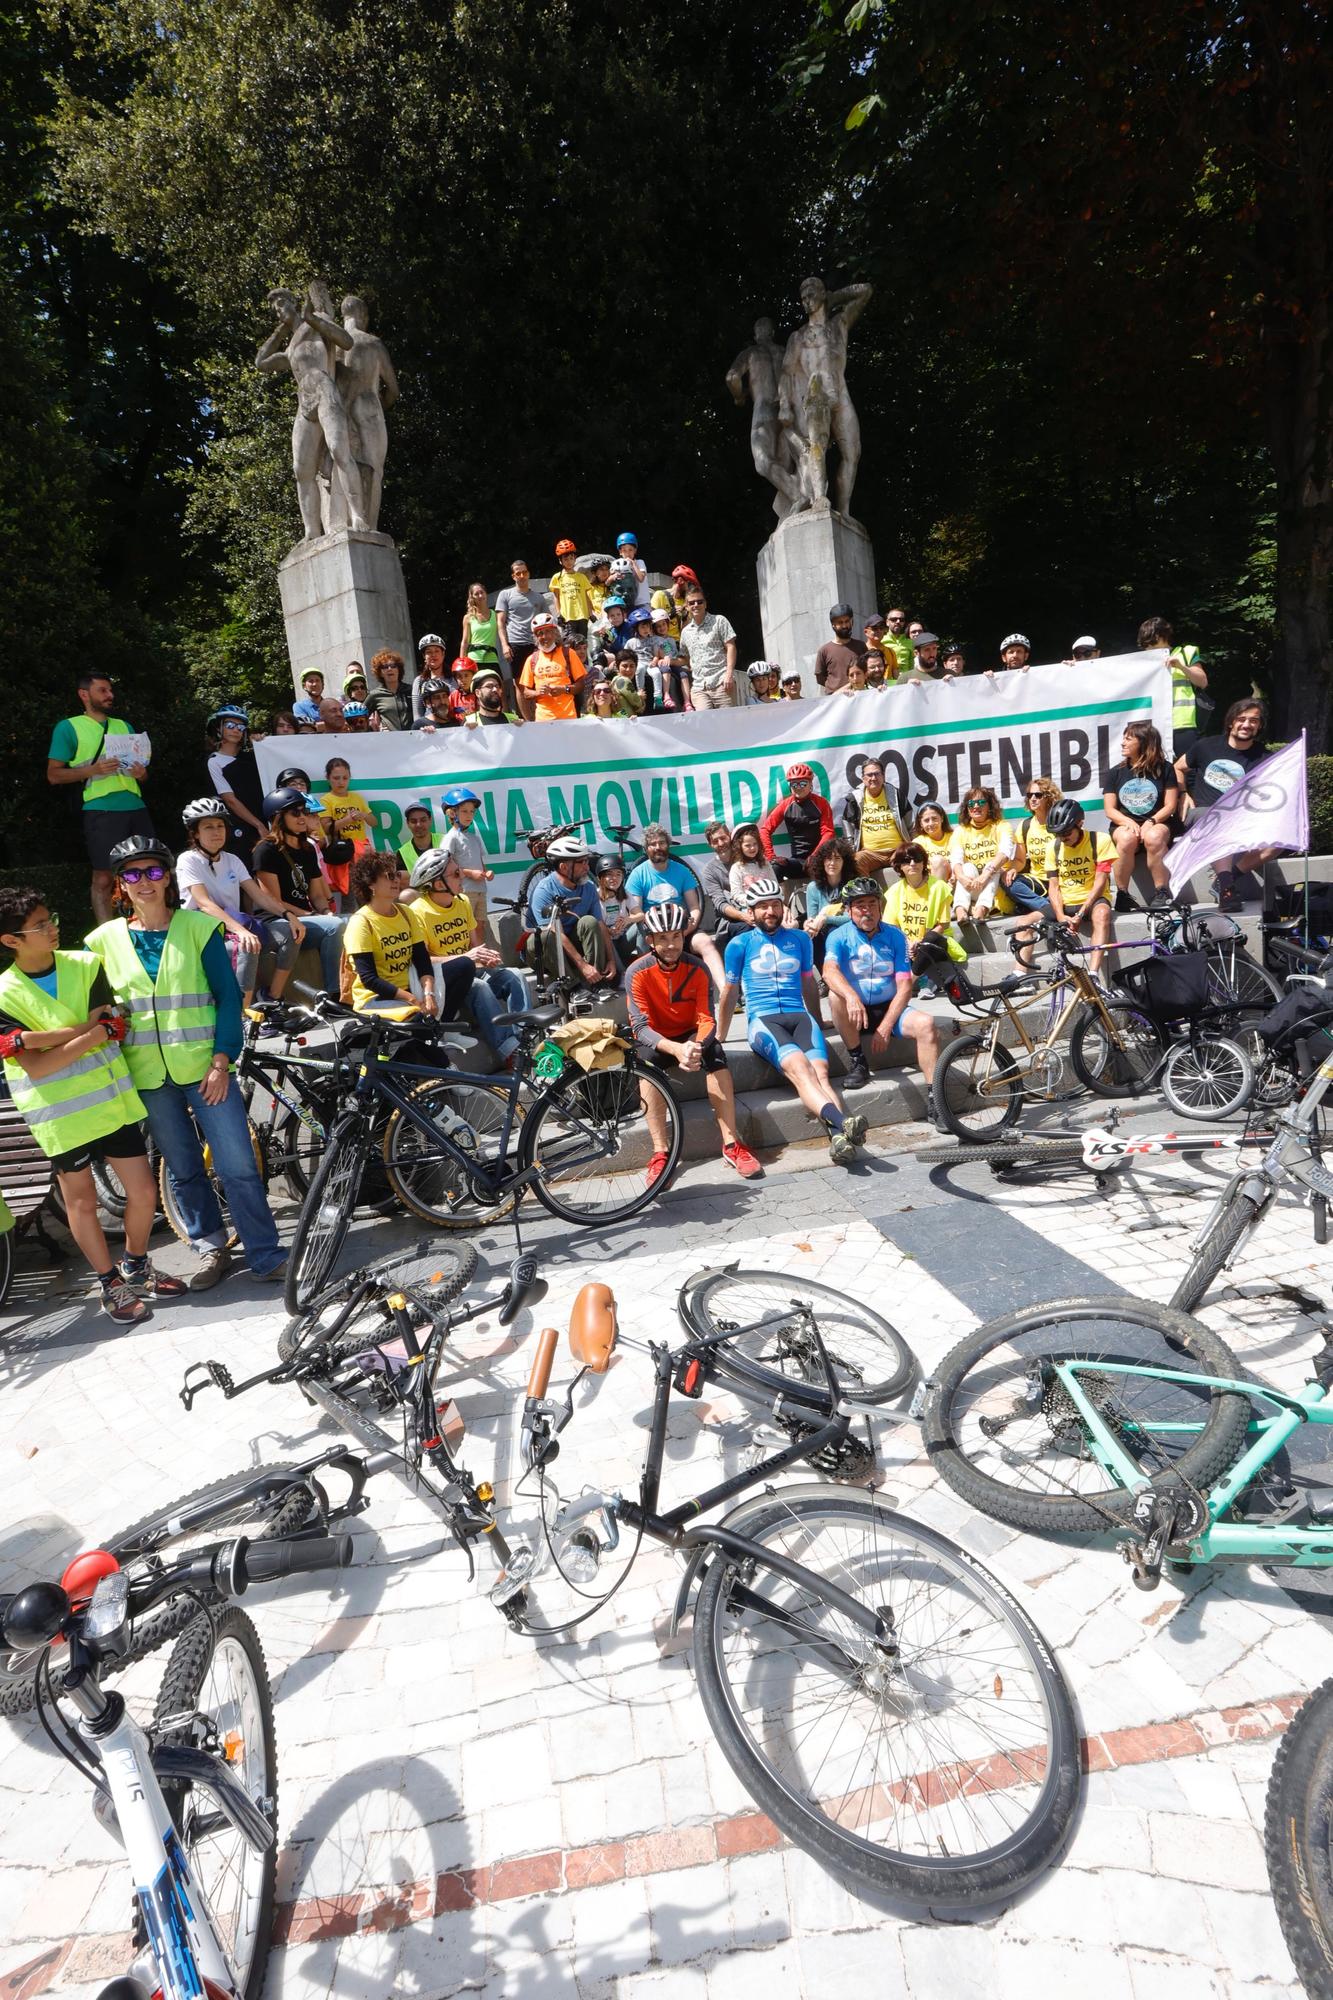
<point x="261" y="1561"/>
<point x="547" y="1342"/>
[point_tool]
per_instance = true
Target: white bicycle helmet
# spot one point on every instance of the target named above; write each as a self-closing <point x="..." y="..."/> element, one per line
<point x="1016" y="639"/>
<point x="203" y="809"/>
<point x="663" y="917"/>
<point x="430" y="868"/>
<point x="757" y="668"/>
<point x="430" y="639"/>
<point x="569" y="848"/>
<point x="763" y="889"/>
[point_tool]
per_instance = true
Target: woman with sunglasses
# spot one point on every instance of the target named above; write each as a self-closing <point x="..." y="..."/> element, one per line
<point x="169" y="971"/>
<point x="227" y="739"/>
<point x="921" y="906"/>
<point x="62" y="1061"/>
<point x="982" y="847"/>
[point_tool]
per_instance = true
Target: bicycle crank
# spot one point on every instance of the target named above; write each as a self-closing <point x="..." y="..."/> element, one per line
<point x="1172" y="1520"/>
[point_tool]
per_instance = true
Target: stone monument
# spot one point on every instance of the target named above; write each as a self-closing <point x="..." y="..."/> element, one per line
<point x="342" y="590"/>
<point x="817" y="555"/>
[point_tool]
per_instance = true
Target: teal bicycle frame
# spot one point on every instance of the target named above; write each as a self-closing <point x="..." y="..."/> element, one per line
<point x="1301" y="1548"/>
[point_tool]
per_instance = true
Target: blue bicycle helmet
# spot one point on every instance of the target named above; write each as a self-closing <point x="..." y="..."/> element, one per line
<point x="627" y="541"/>
<point x="461" y="795"/>
<point x="355" y="711"/>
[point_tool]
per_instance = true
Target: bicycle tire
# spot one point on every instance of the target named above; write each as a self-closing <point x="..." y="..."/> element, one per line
<point x="245" y="1726"/>
<point x="1238" y="1214"/>
<point x="1217" y="1445"/>
<point x="1298" y="1841"/>
<point x="562" y="1113"/>
<point x="1242" y="983"/>
<point x="712" y="1304"/>
<point x="166" y="1188"/>
<point x="1018" y="1152"/>
<point x="321" y="1227"/>
<point x="951" y="1094"/>
<point x="1126" y="1063"/>
<point x="880" y="1555"/>
<point x="447" y="1270"/>
<point x="1209" y="1077"/>
<point x="439" y="1191"/>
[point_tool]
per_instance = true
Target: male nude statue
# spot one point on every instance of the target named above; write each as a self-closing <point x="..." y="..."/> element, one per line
<point x="757" y="368"/>
<point x="817" y="352"/>
<point x="304" y="341"/>
<point x="369" y="388"/>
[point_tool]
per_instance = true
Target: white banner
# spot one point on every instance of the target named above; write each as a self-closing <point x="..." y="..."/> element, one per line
<point x="684" y="770"/>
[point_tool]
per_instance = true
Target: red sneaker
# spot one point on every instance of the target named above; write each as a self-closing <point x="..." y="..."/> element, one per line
<point x="743" y="1160"/>
<point x="656" y="1168"/>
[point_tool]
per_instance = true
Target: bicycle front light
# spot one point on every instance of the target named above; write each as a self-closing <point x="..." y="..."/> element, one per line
<point x="108" y="1613"/>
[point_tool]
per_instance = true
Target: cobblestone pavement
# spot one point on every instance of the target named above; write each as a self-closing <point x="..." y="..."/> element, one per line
<point x="464" y="1810"/>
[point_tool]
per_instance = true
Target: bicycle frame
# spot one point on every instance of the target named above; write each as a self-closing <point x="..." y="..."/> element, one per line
<point x="1081" y="991"/>
<point x="495" y="1177"/>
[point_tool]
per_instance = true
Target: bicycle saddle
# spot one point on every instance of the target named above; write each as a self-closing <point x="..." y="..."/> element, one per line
<point x="592" y="1328"/>
<point x="524" y="1017"/>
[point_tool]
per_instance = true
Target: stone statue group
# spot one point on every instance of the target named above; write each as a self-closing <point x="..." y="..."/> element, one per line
<point x="799" y="401"/>
<point x="344" y="384"/>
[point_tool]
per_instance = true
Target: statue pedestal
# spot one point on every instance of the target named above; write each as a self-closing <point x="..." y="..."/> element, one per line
<point x="343" y="598"/>
<point x="810" y="562"/>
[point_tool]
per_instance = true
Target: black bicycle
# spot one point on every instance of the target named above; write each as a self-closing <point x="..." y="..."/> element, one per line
<point x="579" y="1139"/>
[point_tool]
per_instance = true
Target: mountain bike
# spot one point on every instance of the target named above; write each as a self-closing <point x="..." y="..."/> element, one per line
<point x="579" y="1140"/>
<point x="980" y="1085"/>
<point x="1121" y="1415"/>
<point x="1298" y="1841"/>
<point x="192" y="1798"/>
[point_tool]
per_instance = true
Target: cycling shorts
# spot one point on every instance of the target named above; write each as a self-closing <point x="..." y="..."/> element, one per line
<point x="776" y="1037"/>
<point x="875" y="1012"/>
<point x="126" y="1144"/>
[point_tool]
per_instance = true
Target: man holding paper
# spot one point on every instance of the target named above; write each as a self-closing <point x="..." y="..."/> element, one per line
<point x="103" y="754"/>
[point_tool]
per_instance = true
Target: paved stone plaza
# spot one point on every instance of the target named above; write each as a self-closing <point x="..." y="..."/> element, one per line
<point x="462" y="1809"/>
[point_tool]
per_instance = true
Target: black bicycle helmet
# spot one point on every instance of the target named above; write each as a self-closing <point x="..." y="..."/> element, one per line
<point x="862" y="885"/>
<point x="1064" y="816"/>
<point x="286" y="799"/>
<point x="140" y="847"/>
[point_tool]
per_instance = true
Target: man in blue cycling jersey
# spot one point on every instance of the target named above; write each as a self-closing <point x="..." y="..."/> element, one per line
<point x="774" y="966"/>
<point x="868" y="972"/>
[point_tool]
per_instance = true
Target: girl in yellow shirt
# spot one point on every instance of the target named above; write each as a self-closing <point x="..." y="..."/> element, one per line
<point x="931" y="830"/>
<point x="345" y="816"/>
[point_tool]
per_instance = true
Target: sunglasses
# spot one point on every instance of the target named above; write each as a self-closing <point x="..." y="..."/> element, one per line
<point x="153" y="873"/>
<point x="692" y="601"/>
<point x="972" y="804"/>
<point x="1035" y="793"/>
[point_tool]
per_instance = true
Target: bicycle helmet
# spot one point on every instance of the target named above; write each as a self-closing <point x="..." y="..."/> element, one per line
<point x="311" y="803"/>
<point x="287" y="798"/>
<point x="203" y="809"/>
<point x="460" y="795"/>
<point x="140" y="847"/>
<point x="230" y="711"/>
<point x="758" y="668"/>
<point x="639" y="618"/>
<point x="664" y="917"/>
<point x="606" y="862"/>
<point x="355" y="711"/>
<point x="763" y="889"/>
<point x="430" y="639"/>
<point x="430" y="868"/>
<point x="682" y="573"/>
<point x="862" y="885"/>
<point x="1064" y="816"/>
<point x="565" y="548"/>
<point x="627" y="541"/>
<point x="1016" y="639"/>
<point x="569" y="848"/>
<point x="290" y="776"/>
<point x="796" y="773"/>
<point x="433" y="686"/>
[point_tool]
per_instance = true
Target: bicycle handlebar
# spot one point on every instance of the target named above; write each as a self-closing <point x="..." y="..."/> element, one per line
<point x="260" y="1562"/>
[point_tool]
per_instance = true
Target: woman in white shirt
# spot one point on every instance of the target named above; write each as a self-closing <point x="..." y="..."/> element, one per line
<point x="213" y="879"/>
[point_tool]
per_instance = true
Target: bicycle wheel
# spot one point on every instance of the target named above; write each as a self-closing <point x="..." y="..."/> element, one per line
<point x="771" y="1316"/>
<point x="1237" y="980"/>
<point x="941" y="1767"/>
<point x="1207" y="1077"/>
<point x="1001" y="1427"/>
<point x="321" y="1227"/>
<point x="1230" y="1223"/>
<point x="1118" y="1053"/>
<point x="1298" y="1841"/>
<point x="429" y="1181"/>
<point x="977" y="1091"/>
<point x="587" y="1136"/>
<point x="171" y="1209"/>
<point x="1019" y="1151"/>
<point x="215" y="1695"/>
<point x="429" y="1275"/>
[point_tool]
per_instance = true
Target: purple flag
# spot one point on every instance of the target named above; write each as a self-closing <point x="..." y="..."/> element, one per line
<point x="1266" y="807"/>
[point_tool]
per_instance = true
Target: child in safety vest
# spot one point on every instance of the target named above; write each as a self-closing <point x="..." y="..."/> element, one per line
<point x="60" y="1042"/>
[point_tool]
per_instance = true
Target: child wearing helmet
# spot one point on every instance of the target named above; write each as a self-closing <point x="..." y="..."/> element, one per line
<point x="212" y="879"/>
<point x="627" y="552"/>
<point x="464" y="841"/>
<point x="1078" y="875"/>
<point x="573" y="597"/>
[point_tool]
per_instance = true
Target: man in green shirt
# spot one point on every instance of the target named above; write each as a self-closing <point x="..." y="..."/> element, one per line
<point x="113" y="807"/>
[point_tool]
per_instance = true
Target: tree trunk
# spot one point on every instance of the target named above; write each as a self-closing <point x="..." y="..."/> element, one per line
<point x="1304" y="690"/>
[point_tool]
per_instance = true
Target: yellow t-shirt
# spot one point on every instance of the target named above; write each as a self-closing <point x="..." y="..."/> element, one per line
<point x="1038" y="843"/>
<point x="597" y="595"/>
<point x="880" y="831"/>
<point x="389" y="940"/>
<point x="1076" y="868"/>
<point x="979" y="846"/>
<point x="339" y="817"/>
<point x="573" y="593"/>
<point x="662" y="600"/>
<point x="934" y="844"/>
<point x="447" y="932"/>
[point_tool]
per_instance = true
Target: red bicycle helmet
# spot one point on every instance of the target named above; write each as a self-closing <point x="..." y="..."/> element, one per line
<point x="796" y="772"/>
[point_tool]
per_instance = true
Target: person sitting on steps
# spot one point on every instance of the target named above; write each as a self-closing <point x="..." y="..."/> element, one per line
<point x="868" y="972"/>
<point x="567" y="896"/>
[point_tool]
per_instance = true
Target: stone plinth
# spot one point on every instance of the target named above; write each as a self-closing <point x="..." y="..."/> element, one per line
<point x="810" y="562"/>
<point x="343" y="598"/>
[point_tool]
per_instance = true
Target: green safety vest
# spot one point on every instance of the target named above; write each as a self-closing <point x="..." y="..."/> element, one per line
<point x="89" y="740"/>
<point x="172" y="1018"/>
<point x="93" y="1095"/>
<point x="409" y="856"/>
<point x="1184" y="694"/>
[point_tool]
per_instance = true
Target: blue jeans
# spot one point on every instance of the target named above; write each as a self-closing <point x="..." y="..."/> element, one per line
<point x="500" y="991"/>
<point x="1024" y="896"/>
<point x="224" y="1127"/>
<point x="327" y="933"/>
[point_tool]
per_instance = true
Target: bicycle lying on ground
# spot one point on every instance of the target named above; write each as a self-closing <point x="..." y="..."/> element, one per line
<point x="1121" y="1415"/>
<point x="1298" y="1841"/>
<point x="193" y="1797"/>
<point x="446" y="1141"/>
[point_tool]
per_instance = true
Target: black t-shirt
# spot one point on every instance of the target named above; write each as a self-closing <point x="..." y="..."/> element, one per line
<point x="1138" y="793"/>
<point x="1212" y="766"/>
<point x="295" y="867"/>
<point x="100" y="995"/>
